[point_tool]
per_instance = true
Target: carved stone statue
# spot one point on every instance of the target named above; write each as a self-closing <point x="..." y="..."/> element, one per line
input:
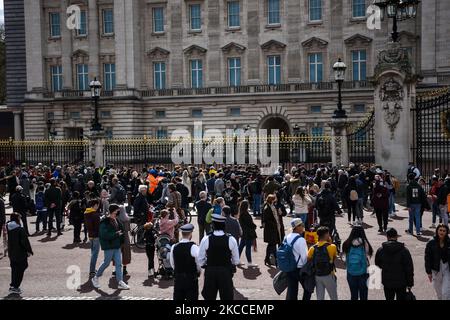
<point x="391" y="95"/>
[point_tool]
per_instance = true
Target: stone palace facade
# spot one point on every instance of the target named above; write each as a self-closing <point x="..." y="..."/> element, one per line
<point x="228" y="63"/>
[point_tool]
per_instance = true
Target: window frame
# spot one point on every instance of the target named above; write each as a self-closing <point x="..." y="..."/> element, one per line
<point x="86" y="28"/>
<point x="316" y="63"/>
<point x="310" y="8"/>
<point x="311" y="109"/>
<point x="235" y="108"/>
<point x="359" y="62"/>
<point x="236" y="70"/>
<point x="195" y="110"/>
<point x="159" y="74"/>
<point x="164" y="116"/>
<point x="353" y="9"/>
<point x="236" y="16"/>
<point x="198" y="71"/>
<point x="199" y="18"/>
<point x="104" y="33"/>
<point x="84" y="74"/>
<point x="355" y="110"/>
<point x="109" y="76"/>
<point x="52" y="24"/>
<point x="322" y="131"/>
<point x="276" y="67"/>
<point x="58" y="75"/>
<point x="154" y="10"/>
<point x="268" y="13"/>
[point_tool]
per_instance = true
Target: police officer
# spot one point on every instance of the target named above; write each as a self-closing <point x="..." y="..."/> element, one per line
<point x="184" y="261"/>
<point x="219" y="255"/>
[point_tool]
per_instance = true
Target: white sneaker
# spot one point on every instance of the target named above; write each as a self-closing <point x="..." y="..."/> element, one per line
<point x="123" y="286"/>
<point x="252" y="265"/>
<point x="151" y="273"/>
<point x="95" y="282"/>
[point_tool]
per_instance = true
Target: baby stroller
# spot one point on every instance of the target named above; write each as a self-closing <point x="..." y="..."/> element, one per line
<point x="163" y="248"/>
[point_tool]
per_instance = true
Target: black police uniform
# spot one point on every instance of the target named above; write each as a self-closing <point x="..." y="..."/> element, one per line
<point x="186" y="274"/>
<point x="218" y="273"/>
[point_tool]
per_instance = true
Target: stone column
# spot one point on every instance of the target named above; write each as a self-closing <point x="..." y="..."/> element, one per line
<point x="66" y="49"/>
<point x="120" y="37"/>
<point x="17" y="125"/>
<point x="395" y="90"/>
<point x="34" y="24"/>
<point x="339" y="146"/>
<point x="94" y="68"/>
<point x="97" y="141"/>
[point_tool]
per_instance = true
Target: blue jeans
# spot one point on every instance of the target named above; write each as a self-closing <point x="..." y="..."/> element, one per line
<point x="41" y="217"/>
<point x="391" y="203"/>
<point x="436" y="212"/>
<point x="113" y="254"/>
<point x="358" y="286"/>
<point x="360" y="209"/>
<point x="95" y="249"/>
<point x="248" y="249"/>
<point x="414" y="216"/>
<point x="256" y="203"/>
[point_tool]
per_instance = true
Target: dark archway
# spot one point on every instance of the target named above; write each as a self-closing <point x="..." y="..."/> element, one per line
<point x="276" y="122"/>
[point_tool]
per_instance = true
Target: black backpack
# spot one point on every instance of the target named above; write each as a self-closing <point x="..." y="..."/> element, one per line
<point x="121" y="194"/>
<point x="321" y="261"/>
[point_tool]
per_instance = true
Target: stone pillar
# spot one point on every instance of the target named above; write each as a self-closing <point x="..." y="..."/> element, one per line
<point x="66" y="49"/>
<point x="339" y="146"/>
<point x="120" y="38"/>
<point x="395" y="90"/>
<point x="97" y="141"/>
<point x="17" y="125"/>
<point x="94" y="68"/>
<point x="34" y="24"/>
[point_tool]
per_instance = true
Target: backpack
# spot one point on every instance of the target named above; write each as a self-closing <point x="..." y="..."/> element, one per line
<point x="411" y="170"/>
<point x="285" y="256"/>
<point x="357" y="261"/>
<point x="40" y="201"/>
<point x="353" y="195"/>
<point x="121" y="195"/>
<point x="321" y="261"/>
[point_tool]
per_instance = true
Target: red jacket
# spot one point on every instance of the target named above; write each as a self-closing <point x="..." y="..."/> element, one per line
<point x="380" y="198"/>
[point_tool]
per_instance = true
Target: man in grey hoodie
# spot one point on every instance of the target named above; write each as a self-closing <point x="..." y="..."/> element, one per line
<point x="19" y="250"/>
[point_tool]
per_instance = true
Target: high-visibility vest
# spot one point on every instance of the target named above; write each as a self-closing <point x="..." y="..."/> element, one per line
<point x="152" y="183"/>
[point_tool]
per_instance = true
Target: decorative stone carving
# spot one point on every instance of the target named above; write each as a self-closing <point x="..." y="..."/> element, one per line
<point x="314" y="41"/>
<point x="391" y="95"/>
<point x="357" y="39"/>
<point x="233" y="46"/>
<point x="394" y="58"/>
<point x="158" y="53"/>
<point x="195" y="50"/>
<point x="273" y="45"/>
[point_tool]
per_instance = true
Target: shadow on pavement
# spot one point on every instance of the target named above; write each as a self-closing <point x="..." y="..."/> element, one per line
<point x="238" y="295"/>
<point x="428" y="233"/>
<point x="149" y="282"/>
<point x="273" y="272"/>
<point x="164" y="284"/>
<point x="71" y="246"/>
<point x="251" y="273"/>
<point x="137" y="250"/>
<point x="48" y="239"/>
<point x="12" y="296"/>
<point x="366" y="226"/>
<point x="86" y="287"/>
<point x="422" y="239"/>
<point x="339" y="264"/>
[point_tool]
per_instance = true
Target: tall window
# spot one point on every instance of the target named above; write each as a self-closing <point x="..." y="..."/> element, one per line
<point x="317" y="131"/>
<point x="57" y="78"/>
<point x="233" y="14"/>
<point x="195" y="16"/>
<point x="158" y="20"/>
<point x="83" y="25"/>
<point x="196" y="73"/>
<point x="274" y="64"/>
<point x="161" y="134"/>
<point x="159" y="75"/>
<point x="274" y="11"/>
<point x="55" y="24"/>
<point x="109" y="76"/>
<point x="359" y="8"/>
<point x="315" y="10"/>
<point x="108" y="21"/>
<point x="234" y="71"/>
<point x="83" y="77"/>
<point x="315" y="67"/>
<point x="359" y="65"/>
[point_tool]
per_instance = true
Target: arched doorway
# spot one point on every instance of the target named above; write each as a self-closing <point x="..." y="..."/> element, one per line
<point x="276" y="122"/>
<point x="280" y="123"/>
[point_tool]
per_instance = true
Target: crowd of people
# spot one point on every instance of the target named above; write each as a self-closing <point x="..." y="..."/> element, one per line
<point x="100" y="202"/>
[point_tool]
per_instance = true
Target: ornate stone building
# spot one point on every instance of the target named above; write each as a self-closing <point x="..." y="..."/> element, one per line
<point x="228" y="63"/>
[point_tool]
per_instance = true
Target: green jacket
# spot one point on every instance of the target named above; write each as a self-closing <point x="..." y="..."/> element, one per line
<point x="109" y="239"/>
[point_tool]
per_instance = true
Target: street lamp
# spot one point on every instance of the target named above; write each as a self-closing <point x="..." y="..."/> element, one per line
<point x="397" y="10"/>
<point x="296" y="130"/>
<point x="96" y="87"/>
<point x="339" y="75"/>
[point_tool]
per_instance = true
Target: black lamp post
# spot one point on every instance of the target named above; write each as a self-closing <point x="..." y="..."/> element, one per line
<point x="51" y="134"/>
<point x="96" y="87"/>
<point x="296" y="130"/>
<point x="339" y="75"/>
<point x="397" y="10"/>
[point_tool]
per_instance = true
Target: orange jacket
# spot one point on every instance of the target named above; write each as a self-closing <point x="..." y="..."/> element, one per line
<point x="152" y="183"/>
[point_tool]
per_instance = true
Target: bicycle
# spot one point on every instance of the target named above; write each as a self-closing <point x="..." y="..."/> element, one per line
<point x="137" y="232"/>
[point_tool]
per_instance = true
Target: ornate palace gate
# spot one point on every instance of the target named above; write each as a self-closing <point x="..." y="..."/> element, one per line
<point x="361" y="141"/>
<point x="432" y="132"/>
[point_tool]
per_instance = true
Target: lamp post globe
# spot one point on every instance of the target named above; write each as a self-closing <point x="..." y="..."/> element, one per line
<point x="339" y="75"/>
<point x="96" y="87"/>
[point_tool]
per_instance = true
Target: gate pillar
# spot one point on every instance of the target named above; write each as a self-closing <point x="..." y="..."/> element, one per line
<point x="339" y="146"/>
<point x="97" y="141"/>
<point x="395" y="91"/>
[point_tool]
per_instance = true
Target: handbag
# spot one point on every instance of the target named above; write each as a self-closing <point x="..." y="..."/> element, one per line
<point x="409" y="296"/>
<point x="280" y="282"/>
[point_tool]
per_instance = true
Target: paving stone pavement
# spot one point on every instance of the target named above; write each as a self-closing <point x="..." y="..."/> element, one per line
<point x="51" y="274"/>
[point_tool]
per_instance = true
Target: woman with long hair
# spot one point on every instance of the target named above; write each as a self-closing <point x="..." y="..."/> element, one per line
<point x="358" y="251"/>
<point x="248" y="232"/>
<point x="272" y="229"/>
<point x="351" y="202"/>
<point x="302" y="201"/>
<point x="437" y="254"/>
